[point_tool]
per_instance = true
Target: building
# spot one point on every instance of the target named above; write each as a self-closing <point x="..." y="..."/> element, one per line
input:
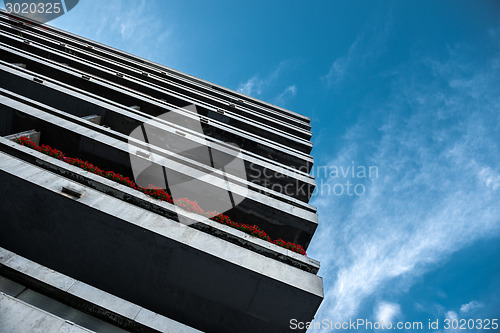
<point x="86" y="251"/>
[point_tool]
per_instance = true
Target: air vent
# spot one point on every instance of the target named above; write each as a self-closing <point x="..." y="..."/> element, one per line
<point x="27" y="41"/>
<point x="72" y="191"/>
<point x="145" y="74"/>
<point x="85" y="77"/>
<point x="220" y="111"/>
<point x="231" y="105"/>
<point x="93" y="118"/>
<point x="37" y="80"/>
<point x="143" y="154"/>
<point x="62" y="44"/>
<point x="119" y="74"/>
<point x="180" y="133"/>
<point x="204" y="120"/>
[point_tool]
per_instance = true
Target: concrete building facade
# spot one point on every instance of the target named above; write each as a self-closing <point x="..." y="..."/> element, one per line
<point x="82" y="252"/>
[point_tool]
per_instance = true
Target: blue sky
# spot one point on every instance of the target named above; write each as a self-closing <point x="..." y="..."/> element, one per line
<point x="410" y="88"/>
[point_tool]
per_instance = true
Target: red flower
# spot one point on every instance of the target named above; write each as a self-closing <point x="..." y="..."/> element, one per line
<point x="161" y="194"/>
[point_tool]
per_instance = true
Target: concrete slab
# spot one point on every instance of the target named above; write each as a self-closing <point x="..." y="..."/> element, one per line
<point x="79" y="103"/>
<point x="19" y="317"/>
<point x="68" y="303"/>
<point x="113" y="239"/>
<point x="255" y="107"/>
<point x="279" y="218"/>
<point x="188" y="268"/>
<point x="274" y="141"/>
<point x="134" y="197"/>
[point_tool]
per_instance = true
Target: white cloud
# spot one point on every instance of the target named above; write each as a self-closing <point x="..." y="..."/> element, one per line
<point x="339" y="68"/>
<point x="451" y="315"/>
<point x="470" y="307"/>
<point x="257" y="84"/>
<point x="387" y="312"/>
<point x="252" y="87"/>
<point x="286" y="94"/>
<point x="489" y="178"/>
<point x="466" y="310"/>
<point x="292" y="90"/>
<point x="131" y="25"/>
<point x="427" y="202"/>
<point x="368" y="46"/>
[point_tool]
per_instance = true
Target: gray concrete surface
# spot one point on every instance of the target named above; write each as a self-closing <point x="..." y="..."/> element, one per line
<point x="79" y="45"/>
<point x="279" y="218"/>
<point x="76" y="302"/>
<point x="19" y="317"/>
<point x="281" y="146"/>
<point x="149" y="260"/>
<point x="260" y="170"/>
<point x="134" y="197"/>
<point x="109" y="240"/>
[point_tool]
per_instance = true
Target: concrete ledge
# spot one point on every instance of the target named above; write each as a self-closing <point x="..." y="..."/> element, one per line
<point x="139" y="199"/>
<point x="260" y="170"/>
<point x="127" y="244"/>
<point x="102" y="67"/>
<point x="296" y="153"/>
<point x="253" y="105"/>
<point x="17" y="316"/>
<point x="279" y="218"/>
<point x="33" y="135"/>
<point x="149" y="260"/>
<point x="85" y="298"/>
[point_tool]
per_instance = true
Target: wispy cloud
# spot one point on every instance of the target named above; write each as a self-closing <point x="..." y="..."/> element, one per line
<point x="368" y="46"/>
<point x="252" y="87"/>
<point x="451" y="316"/>
<point x="257" y="84"/>
<point x="489" y="178"/>
<point x="131" y="25"/>
<point x="470" y="307"/>
<point x="386" y="312"/>
<point x="467" y="310"/>
<point x="285" y="95"/>
<point x="436" y="145"/>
